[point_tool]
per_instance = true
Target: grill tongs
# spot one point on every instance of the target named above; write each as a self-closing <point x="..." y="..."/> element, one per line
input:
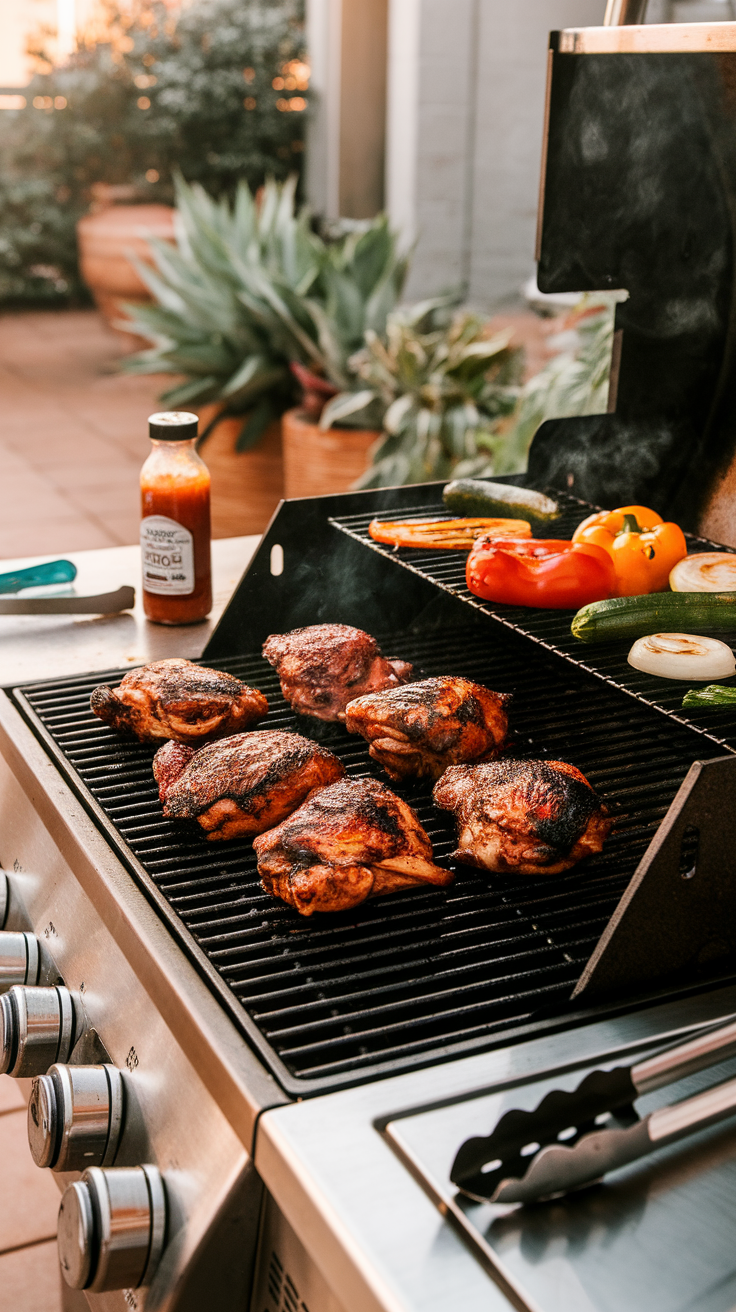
<point x="573" y="1139"/>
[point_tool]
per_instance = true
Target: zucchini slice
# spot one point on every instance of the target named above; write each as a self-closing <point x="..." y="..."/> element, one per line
<point x="475" y="496"/>
<point x="656" y="612"/>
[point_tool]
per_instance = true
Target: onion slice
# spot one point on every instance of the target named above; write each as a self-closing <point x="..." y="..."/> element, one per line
<point x="682" y="656"/>
<point x="706" y="571"/>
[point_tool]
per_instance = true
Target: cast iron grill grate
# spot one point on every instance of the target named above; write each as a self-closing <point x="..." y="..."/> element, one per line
<point x="550" y="629"/>
<point x="412" y="978"/>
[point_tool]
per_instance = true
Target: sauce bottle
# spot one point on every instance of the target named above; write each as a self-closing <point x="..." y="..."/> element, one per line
<point x="175" y="523"/>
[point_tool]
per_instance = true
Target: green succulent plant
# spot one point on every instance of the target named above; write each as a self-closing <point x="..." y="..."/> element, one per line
<point x="249" y="290"/>
<point x="443" y="386"/>
<point x="575" y="381"/>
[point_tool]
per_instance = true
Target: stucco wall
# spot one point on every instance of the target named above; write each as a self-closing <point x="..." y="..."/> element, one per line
<point x="470" y="196"/>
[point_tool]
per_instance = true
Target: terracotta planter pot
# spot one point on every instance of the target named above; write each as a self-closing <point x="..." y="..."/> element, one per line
<point x="246" y="485"/>
<point x="106" y="239"/>
<point x="317" y="461"/>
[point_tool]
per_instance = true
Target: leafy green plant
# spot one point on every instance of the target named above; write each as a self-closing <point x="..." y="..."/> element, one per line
<point x="575" y="382"/>
<point x="443" y="386"/>
<point x="219" y="92"/>
<point x="250" y="290"/>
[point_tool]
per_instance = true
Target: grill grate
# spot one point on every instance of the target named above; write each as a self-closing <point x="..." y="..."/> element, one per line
<point x="550" y="629"/>
<point x="411" y="978"/>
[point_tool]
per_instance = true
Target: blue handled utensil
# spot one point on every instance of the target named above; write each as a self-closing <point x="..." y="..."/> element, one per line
<point x="52" y="571"/>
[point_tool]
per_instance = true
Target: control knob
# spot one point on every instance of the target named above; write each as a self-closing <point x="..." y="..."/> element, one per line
<point x="20" y="956"/>
<point x="111" y="1228"/>
<point x="37" y="1028"/>
<point x="75" y="1117"/>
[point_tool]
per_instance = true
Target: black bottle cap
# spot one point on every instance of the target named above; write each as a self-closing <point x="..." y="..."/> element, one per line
<point x="173" y="426"/>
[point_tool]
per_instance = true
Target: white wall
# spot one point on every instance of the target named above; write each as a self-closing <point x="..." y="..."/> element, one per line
<point x="463" y="178"/>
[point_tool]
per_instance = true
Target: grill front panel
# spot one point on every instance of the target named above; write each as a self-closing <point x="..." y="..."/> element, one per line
<point x="415" y="977"/>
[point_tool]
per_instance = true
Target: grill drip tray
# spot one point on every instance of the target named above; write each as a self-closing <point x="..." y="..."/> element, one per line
<point x="656" y="1236"/>
<point x="412" y="978"/>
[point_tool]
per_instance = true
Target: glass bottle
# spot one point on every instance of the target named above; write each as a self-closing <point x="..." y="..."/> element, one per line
<point x="175" y="523"/>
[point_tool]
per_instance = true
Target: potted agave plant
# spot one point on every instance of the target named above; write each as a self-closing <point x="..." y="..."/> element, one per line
<point x="248" y="291"/>
<point x="446" y="386"/>
<point x="360" y="285"/>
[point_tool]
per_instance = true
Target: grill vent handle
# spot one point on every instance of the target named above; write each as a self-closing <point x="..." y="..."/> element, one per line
<point x="622" y="13"/>
<point x="112" y="1226"/>
<point x="75" y="1117"/>
<point x="38" y="1026"/>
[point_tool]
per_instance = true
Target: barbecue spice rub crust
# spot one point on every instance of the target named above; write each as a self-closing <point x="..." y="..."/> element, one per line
<point x="325" y="666"/>
<point x="523" y="817"/>
<point x="242" y="785"/>
<point x="351" y="841"/>
<point x="180" y="700"/>
<point x="420" y="729"/>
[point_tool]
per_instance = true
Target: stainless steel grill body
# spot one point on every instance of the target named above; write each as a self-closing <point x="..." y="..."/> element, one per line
<point x="219" y="1004"/>
<point x="192" y="1088"/>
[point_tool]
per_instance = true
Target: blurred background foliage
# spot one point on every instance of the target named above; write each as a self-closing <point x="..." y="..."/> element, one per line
<point x="217" y="92"/>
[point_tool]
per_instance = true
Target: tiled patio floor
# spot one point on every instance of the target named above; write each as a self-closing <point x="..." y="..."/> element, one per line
<point x="73" y="434"/>
<point x="29" y="1203"/>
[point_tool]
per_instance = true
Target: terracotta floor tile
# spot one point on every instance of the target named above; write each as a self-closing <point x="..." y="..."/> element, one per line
<point x="29" y="1198"/>
<point x="124" y="526"/>
<point x="39" y="538"/>
<point x="32" y="499"/>
<point x="10" y="1094"/>
<point x="30" y="1280"/>
<point x="70" y="475"/>
<point x="11" y="462"/>
<point x="46" y="446"/>
<point x="116" y="496"/>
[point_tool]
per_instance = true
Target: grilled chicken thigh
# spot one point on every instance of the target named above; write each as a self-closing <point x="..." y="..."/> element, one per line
<point x="351" y="841"/>
<point x="244" y="784"/>
<point x="523" y="817"/>
<point x="424" y="727"/>
<point x="180" y="700"/>
<point x="325" y="666"/>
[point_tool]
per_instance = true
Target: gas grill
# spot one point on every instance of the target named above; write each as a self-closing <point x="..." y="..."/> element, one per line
<point x="253" y="1006"/>
<point x="405" y="979"/>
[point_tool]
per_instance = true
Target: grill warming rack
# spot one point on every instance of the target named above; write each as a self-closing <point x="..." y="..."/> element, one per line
<point x="413" y="978"/>
<point x="550" y="629"/>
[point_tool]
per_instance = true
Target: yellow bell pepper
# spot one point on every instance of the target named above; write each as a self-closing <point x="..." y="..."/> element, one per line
<point x="642" y="547"/>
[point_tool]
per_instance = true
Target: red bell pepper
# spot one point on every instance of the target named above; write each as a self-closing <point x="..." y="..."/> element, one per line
<point x="547" y="572"/>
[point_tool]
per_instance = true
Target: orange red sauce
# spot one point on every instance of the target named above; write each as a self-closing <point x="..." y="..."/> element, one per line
<point x="184" y="497"/>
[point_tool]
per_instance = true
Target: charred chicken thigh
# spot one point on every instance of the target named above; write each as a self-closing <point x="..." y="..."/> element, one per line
<point x="325" y="666"/>
<point x="244" y="784"/>
<point x="351" y="841"/>
<point x="523" y="817"/>
<point x="180" y="700"/>
<point x="424" y="727"/>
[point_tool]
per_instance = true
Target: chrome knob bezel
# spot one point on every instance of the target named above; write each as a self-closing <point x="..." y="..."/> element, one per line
<point x="112" y="1228"/>
<point x="75" y="1117"/>
<point x="37" y="1028"/>
<point x="20" y="959"/>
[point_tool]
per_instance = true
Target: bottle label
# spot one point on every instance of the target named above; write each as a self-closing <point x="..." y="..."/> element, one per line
<point x="167" y="555"/>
